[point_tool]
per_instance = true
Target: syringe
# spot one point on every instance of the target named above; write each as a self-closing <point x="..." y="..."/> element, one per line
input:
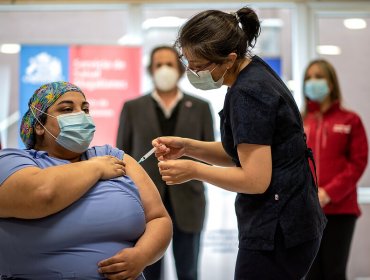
<point x="148" y="154"/>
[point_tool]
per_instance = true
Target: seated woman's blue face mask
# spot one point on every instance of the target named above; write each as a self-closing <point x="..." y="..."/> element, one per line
<point x="76" y="130"/>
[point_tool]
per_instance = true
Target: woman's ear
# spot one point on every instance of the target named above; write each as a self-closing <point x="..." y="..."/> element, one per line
<point x="39" y="129"/>
<point x="231" y="58"/>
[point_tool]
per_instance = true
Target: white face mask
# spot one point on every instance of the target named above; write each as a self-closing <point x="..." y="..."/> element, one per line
<point x="165" y="78"/>
<point x="205" y="80"/>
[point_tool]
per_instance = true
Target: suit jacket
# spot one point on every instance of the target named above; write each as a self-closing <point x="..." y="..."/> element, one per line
<point x="139" y="125"/>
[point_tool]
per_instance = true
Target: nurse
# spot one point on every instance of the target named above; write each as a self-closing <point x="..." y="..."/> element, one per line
<point x="262" y="156"/>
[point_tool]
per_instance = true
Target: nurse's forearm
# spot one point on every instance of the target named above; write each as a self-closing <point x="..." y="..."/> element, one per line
<point x="233" y="179"/>
<point x="210" y="152"/>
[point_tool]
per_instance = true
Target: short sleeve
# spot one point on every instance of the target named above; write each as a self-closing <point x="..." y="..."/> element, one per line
<point x="106" y="150"/>
<point x="253" y="116"/>
<point x="13" y="160"/>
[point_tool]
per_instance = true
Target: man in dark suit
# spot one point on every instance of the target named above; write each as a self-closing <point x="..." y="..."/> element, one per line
<point x="168" y="111"/>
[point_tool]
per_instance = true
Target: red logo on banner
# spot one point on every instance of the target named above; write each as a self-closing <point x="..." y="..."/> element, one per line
<point x="108" y="75"/>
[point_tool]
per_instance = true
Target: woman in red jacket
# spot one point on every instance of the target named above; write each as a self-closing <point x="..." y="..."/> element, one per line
<point x="338" y="140"/>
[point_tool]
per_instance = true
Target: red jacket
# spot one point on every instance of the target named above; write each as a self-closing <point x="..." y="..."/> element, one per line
<point x="338" y="141"/>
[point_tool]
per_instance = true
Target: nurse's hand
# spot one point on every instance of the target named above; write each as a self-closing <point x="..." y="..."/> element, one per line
<point x="177" y="171"/>
<point x="169" y="147"/>
<point x="127" y="264"/>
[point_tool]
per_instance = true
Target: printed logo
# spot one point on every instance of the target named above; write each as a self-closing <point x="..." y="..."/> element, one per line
<point x="342" y="128"/>
<point x="43" y="68"/>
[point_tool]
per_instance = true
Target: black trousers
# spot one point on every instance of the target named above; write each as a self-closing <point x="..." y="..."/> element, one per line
<point x="331" y="261"/>
<point x="185" y="248"/>
<point x="280" y="264"/>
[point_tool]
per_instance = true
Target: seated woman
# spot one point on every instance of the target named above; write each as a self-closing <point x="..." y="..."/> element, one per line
<point x="72" y="212"/>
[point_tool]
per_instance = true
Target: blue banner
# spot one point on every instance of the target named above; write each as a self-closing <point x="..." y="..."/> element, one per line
<point x="40" y="65"/>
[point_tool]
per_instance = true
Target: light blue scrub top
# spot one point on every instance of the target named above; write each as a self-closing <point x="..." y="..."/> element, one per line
<point x="70" y="243"/>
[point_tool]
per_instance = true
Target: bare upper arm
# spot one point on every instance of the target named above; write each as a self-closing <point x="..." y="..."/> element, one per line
<point x="18" y="191"/>
<point x="256" y="161"/>
<point x="149" y="194"/>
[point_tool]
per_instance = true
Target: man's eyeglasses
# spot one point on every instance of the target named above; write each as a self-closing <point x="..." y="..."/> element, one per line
<point x="185" y="63"/>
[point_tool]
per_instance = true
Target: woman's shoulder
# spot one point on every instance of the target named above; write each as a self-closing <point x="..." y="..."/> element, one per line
<point x="12" y="160"/>
<point x="256" y="89"/>
<point x="104" y="150"/>
<point x="348" y="111"/>
<point x="8" y="152"/>
<point x="346" y="114"/>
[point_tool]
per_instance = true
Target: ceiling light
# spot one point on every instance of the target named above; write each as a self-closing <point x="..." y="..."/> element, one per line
<point x="354" y="23"/>
<point x="163" y="22"/>
<point x="10" y="48"/>
<point x="328" y="50"/>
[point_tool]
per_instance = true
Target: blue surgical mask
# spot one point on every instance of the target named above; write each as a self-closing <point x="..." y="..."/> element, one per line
<point x="205" y="80"/>
<point x="316" y="89"/>
<point x="76" y="131"/>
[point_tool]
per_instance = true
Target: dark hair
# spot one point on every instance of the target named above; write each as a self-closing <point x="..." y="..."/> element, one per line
<point x="330" y="75"/>
<point x="214" y="34"/>
<point x="180" y="67"/>
<point x="43" y="118"/>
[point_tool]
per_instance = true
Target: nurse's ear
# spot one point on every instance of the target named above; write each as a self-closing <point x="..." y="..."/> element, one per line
<point x="230" y="60"/>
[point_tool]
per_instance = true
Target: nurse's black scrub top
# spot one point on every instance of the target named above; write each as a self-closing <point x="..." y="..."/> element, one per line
<point x="259" y="109"/>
